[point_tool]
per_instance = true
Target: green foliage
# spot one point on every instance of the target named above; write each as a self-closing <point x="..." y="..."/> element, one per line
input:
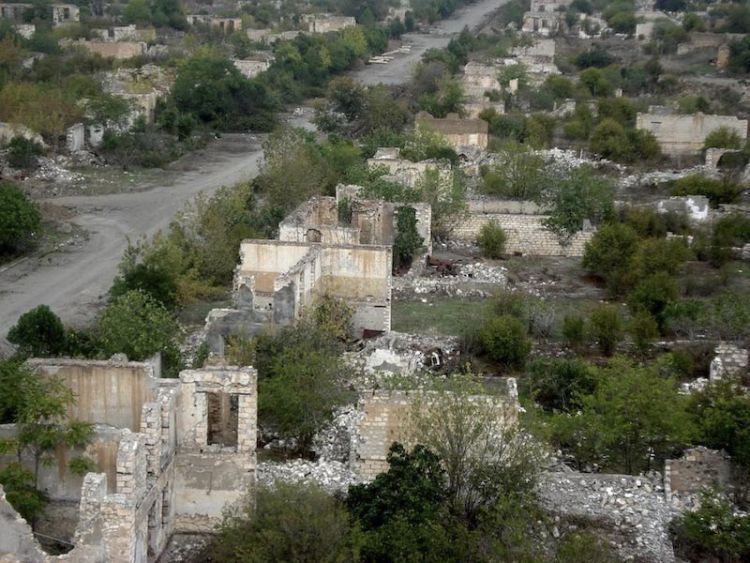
<point x="407" y="241"/>
<point x="634" y="419"/>
<point x="137" y="12"/>
<point x="518" y="174"/>
<point x="574" y="331"/>
<point x="606" y="328"/>
<point x="301" y="382"/>
<point x="623" y="144"/>
<point x="21" y="492"/>
<point x="137" y="325"/>
<point x="643" y="329"/>
<point x="693" y="104"/>
<point x="730" y="231"/>
<point x="595" y="81"/>
<point x="558" y="385"/>
<point x="504" y="338"/>
<point x="447" y="98"/>
<point x="739" y="55"/>
<point x="409" y="496"/>
<point x="333" y="316"/>
<point x="492" y="240"/>
<point x="286" y="522"/>
<point x="580" y="195"/>
<point x="39" y="333"/>
<point x="214" y="92"/>
<point x="723" y="138"/>
<point x="22" y="153"/>
<point x="20" y="220"/>
<point x="722" y="418"/>
<point x="595" y="57"/>
<point x="446" y="196"/>
<point x="621" y="110"/>
<point x="718" y="191"/>
<point x="712" y="532"/>
<point x="609" y="253"/>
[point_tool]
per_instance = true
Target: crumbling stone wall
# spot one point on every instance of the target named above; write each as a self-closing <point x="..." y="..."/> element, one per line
<point x="698" y="468"/>
<point x="730" y="360"/>
<point x="386" y="420"/>
<point x="120" y="50"/>
<point x="686" y="134"/>
<point x="526" y="234"/>
<point x="459" y="132"/>
<point x="634" y="506"/>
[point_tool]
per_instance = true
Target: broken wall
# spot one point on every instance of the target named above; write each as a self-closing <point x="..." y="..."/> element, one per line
<point x="698" y="469"/>
<point x="686" y="134"/>
<point x="120" y="50"/>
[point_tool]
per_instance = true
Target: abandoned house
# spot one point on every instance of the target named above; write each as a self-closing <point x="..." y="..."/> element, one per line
<point x="325" y="23"/>
<point x="544" y="17"/>
<point x="225" y="25"/>
<point x="686" y="134"/>
<point x="480" y="82"/>
<point x="341" y="247"/>
<point x="252" y="65"/>
<point x="459" y="132"/>
<point x="125" y="33"/>
<point x="61" y="13"/>
<point x="405" y="171"/>
<point x="171" y="454"/>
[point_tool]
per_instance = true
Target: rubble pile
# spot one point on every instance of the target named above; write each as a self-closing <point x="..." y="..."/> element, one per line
<point x="461" y="280"/>
<point x="333" y="443"/>
<point x="634" y="506"/>
<point x="333" y="476"/>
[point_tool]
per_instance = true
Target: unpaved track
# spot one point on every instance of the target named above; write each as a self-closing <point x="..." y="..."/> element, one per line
<point x="74" y="280"/>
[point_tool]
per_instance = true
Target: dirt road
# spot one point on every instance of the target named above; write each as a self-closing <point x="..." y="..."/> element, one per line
<point x="74" y="280"/>
<point x="399" y="70"/>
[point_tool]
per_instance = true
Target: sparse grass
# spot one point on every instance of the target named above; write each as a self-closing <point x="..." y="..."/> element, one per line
<point x="439" y="316"/>
<point x="111" y="179"/>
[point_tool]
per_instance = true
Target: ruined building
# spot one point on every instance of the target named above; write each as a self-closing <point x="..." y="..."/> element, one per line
<point x="341" y="247"/>
<point x="171" y="454"/>
<point x="405" y="171"/>
<point x="326" y="23"/>
<point x="686" y="134"/>
<point x="224" y="25"/>
<point x="545" y="17"/>
<point x="61" y="13"/>
<point x="457" y="131"/>
<point x="480" y="81"/>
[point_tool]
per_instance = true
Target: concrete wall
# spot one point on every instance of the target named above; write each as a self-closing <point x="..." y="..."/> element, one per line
<point x="686" y="134"/>
<point x="75" y="137"/>
<point x="106" y="392"/>
<point x="265" y="260"/>
<point x="251" y="68"/>
<point x="457" y="131"/>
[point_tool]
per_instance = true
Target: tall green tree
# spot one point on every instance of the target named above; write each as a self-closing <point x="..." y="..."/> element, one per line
<point x="39" y="333"/>
<point x="20" y="219"/>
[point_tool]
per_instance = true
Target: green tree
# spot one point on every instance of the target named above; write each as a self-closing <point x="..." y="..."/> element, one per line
<point x="137" y="325"/>
<point x="301" y="382"/>
<point x="214" y="91"/>
<point x="286" y="522"/>
<point x="643" y="330"/>
<point x="39" y="412"/>
<point x="492" y="240"/>
<point x="407" y="241"/>
<point x="606" y="328"/>
<point x="518" y="174"/>
<point x="446" y="196"/>
<point x="717" y="190"/>
<point x="653" y="295"/>
<point x="20" y="219"/>
<point x="39" y="333"/>
<point x="402" y="511"/>
<point x="594" y="80"/>
<point x="137" y="11"/>
<point x="579" y="196"/>
<point x="558" y="385"/>
<point x="23" y="153"/>
<point x="609" y="254"/>
<point x="504" y="338"/>
<point x="634" y="420"/>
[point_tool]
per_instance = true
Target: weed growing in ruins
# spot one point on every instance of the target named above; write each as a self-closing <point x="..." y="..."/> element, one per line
<point x="491" y="240"/>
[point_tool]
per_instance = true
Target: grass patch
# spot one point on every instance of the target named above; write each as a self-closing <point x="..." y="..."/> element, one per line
<point x="440" y="316"/>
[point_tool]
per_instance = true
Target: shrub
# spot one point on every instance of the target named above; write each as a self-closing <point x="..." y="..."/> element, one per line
<point x="505" y="340"/>
<point x="723" y="138"/>
<point x="643" y="330"/>
<point x="653" y="295"/>
<point x="492" y="239"/>
<point x="22" y="153"/>
<point x="606" y="328"/>
<point x="574" y="331"/>
<point x="407" y="241"/>
<point x="717" y="191"/>
<point x="713" y="532"/>
<point x="608" y="255"/>
<point x="557" y="384"/>
<point x="39" y="333"/>
<point x="19" y="219"/>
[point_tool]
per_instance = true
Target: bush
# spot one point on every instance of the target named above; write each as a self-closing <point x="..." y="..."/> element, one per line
<point x="713" y="532"/>
<point x="574" y="331"/>
<point x="505" y="340"/>
<point x="643" y="330"/>
<point x="19" y="219"/>
<point x="557" y="384"/>
<point x="723" y="138"/>
<point x="137" y="325"/>
<point x="39" y="333"/>
<point x="609" y="253"/>
<point x="653" y="295"/>
<point x="606" y="328"/>
<point x="492" y="240"/>
<point x="717" y="191"/>
<point x="407" y="241"/>
<point x="22" y="153"/>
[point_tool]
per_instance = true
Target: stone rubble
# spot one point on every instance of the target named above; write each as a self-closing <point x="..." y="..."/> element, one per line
<point x="332" y="476"/>
<point x="459" y="285"/>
